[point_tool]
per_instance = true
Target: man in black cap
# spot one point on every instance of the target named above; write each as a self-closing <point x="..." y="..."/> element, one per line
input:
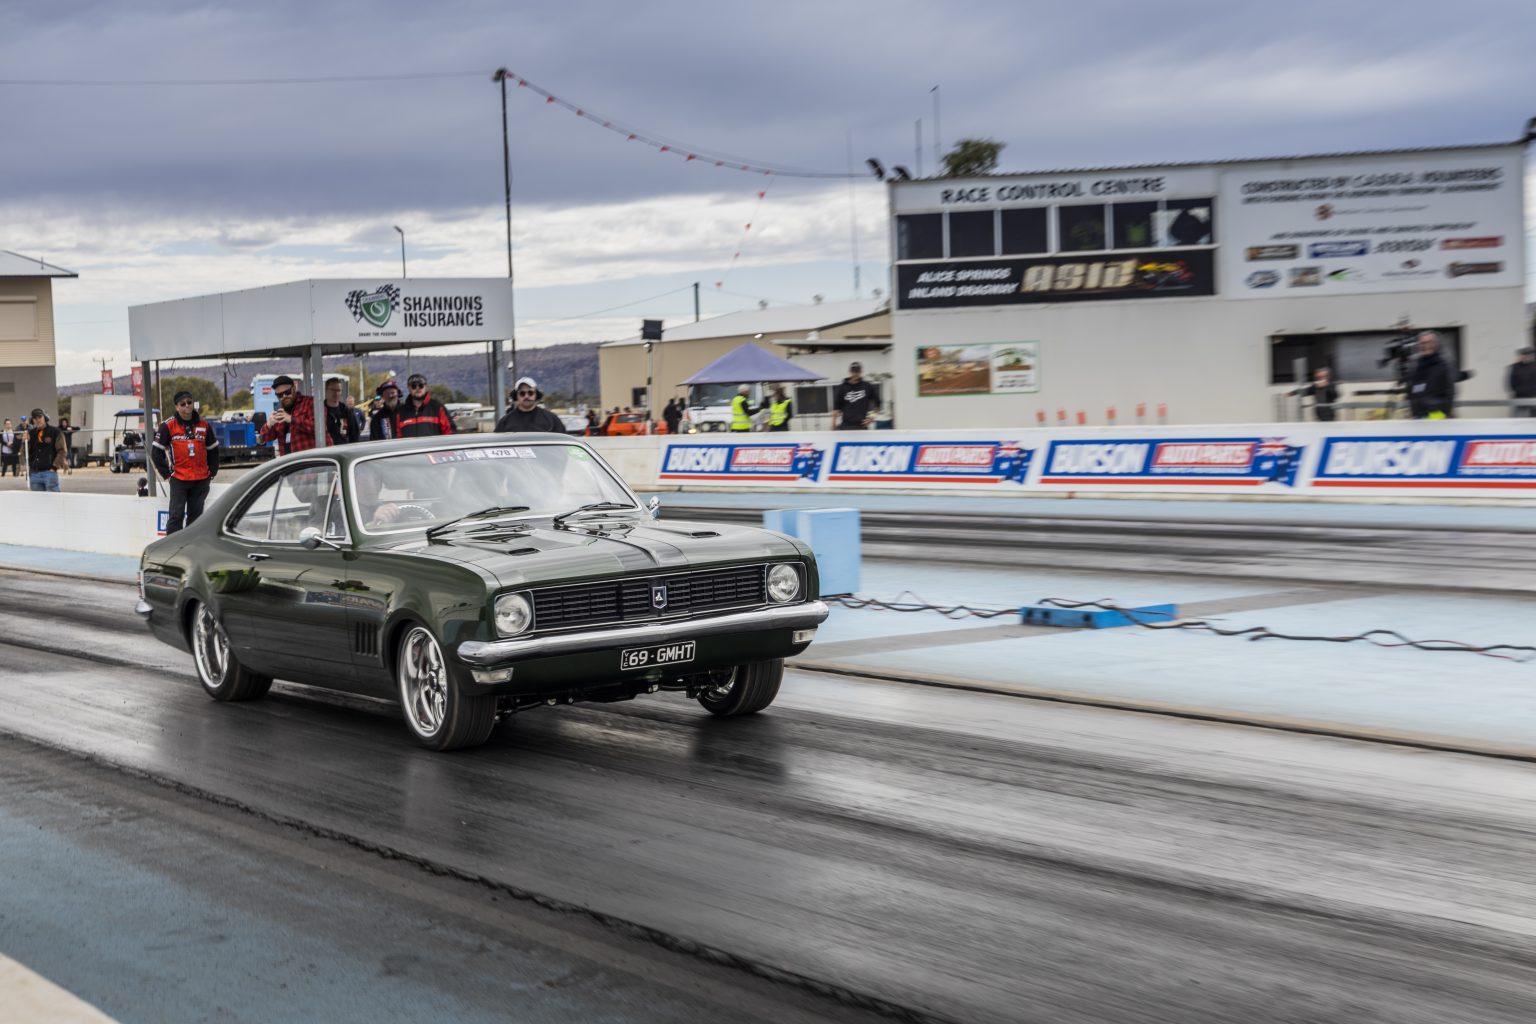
<point x="856" y="399"/>
<point x="383" y="424"/>
<point x="185" y="452"/>
<point x="420" y="414"/>
<point x="45" y="453"/>
<point x="526" y="415"/>
<point x="292" y="423"/>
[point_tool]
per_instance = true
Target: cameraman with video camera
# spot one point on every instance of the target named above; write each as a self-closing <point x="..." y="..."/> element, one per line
<point x="1432" y="382"/>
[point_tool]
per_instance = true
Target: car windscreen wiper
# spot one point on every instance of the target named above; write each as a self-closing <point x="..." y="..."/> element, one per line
<point x="494" y="510"/>
<point x="596" y="506"/>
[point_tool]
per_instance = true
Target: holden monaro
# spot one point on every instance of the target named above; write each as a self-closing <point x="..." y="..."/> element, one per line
<point x="471" y="577"/>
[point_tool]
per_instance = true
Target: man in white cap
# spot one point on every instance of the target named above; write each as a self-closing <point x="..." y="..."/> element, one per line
<point x="526" y="415"/>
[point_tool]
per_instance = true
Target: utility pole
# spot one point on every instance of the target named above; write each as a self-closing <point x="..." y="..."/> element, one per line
<point x="695" y="302"/>
<point x="499" y="381"/>
<point x="918" y="147"/>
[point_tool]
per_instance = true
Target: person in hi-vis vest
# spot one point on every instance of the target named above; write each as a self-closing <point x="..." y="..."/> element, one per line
<point x="186" y="453"/>
<point x="780" y="409"/>
<point x="741" y="410"/>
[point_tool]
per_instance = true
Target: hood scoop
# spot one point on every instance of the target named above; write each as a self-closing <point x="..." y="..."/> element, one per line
<point x="694" y="534"/>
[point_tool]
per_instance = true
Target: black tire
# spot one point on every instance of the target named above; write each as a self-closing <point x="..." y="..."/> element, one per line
<point x="438" y="715"/>
<point x="751" y="688"/>
<point x="220" y="672"/>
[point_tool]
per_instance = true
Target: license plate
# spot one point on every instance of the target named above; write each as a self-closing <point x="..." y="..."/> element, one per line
<point x="656" y="657"/>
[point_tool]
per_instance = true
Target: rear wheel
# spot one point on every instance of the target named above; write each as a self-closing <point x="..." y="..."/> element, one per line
<point x="439" y="716"/>
<point x="748" y="690"/>
<point x="222" y="675"/>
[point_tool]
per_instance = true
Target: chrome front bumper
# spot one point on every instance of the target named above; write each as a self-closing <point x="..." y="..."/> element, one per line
<point x="514" y="649"/>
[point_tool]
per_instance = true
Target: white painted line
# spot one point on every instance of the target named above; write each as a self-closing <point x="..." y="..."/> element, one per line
<point x="33" y="999"/>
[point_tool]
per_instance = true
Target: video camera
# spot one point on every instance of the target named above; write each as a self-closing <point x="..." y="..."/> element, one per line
<point x="1399" y="350"/>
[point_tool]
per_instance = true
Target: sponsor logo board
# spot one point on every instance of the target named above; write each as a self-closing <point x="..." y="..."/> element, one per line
<point x="1507" y="461"/>
<point x="1489" y="242"/>
<point x="970" y="462"/>
<point x="1242" y="462"/>
<point x="1274" y="252"/>
<point x="1263" y="279"/>
<point x="1055" y="279"/>
<point x="1337" y="250"/>
<point x="782" y="463"/>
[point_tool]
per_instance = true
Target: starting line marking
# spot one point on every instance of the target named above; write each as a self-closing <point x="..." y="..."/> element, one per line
<point x="33" y="999"/>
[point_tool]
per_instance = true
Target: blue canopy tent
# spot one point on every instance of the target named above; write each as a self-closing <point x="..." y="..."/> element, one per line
<point x="751" y="365"/>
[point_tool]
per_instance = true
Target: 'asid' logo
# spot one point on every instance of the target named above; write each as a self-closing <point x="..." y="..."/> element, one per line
<point x="375" y="306"/>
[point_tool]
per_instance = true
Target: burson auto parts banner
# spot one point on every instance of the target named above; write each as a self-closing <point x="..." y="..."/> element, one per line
<point x="1281" y="460"/>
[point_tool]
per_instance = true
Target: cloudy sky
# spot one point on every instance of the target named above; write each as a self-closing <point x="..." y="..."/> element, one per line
<point x="126" y="156"/>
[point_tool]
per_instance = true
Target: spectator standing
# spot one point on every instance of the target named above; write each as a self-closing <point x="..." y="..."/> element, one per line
<point x="340" y="427"/>
<point x="672" y="415"/>
<point x="780" y="409"/>
<point x="1324" y="392"/>
<point x="420" y="414"/>
<point x="1431" y="386"/>
<point x="384" y="424"/>
<point x="185" y="452"/>
<point x="10" y="450"/>
<point x="593" y="427"/>
<point x="45" y="454"/>
<point x="1522" y="380"/>
<point x="741" y="410"/>
<point x="856" y="399"/>
<point x="69" y="443"/>
<point x="359" y="421"/>
<point x="292" y="423"/>
<point x="526" y="414"/>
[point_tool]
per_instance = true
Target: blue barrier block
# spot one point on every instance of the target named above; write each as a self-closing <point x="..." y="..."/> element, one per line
<point x="1095" y="618"/>
<point x="833" y="535"/>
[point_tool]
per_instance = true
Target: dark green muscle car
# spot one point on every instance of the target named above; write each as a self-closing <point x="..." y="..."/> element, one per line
<point x="470" y="577"/>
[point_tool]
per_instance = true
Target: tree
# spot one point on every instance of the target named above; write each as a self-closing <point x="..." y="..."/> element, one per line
<point x="209" y="398"/>
<point x="240" y="399"/>
<point x="971" y="157"/>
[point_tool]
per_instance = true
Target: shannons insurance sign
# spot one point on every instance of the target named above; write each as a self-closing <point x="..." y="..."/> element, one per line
<point x="413" y="309"/>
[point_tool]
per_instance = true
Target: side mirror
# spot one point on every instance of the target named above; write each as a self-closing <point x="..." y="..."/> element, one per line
<point x="310" y="538"/>
<point x="653" y="507"/>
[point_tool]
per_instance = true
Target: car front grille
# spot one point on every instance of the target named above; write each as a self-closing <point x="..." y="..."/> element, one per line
<point x="634" y="599"/>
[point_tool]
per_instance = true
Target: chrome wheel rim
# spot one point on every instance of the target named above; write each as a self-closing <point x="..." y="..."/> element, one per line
<point x="210" y="648"/>
<point x="720" y="691"/>
<point x="423" y="681"/>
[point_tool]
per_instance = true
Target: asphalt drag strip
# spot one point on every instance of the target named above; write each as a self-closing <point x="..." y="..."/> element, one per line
<point x="943" y="855"/>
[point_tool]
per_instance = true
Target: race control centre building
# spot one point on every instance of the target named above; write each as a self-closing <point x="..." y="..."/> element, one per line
<point x="1199" y="287"/>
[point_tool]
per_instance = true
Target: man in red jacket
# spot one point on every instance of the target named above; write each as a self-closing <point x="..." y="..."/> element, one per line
<point x="292" y="424"/>
<point x="421" y="415"/>
<point x="185" y="452"/>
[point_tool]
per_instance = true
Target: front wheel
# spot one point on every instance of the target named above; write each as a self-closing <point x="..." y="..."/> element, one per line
<point x="220" y="672"/>
<point x="748" y="690"/>
<point x="439" y="716"/>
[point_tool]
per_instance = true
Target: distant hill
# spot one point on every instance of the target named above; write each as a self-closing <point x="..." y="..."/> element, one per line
<point x="556" y="367"/>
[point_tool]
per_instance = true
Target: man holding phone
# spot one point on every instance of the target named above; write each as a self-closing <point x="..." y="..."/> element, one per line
<point x="292" y="424"/>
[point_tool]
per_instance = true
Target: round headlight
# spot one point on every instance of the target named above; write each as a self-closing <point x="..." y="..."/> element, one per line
<point x="513" y="614"/>
<point x="783" y="583"/>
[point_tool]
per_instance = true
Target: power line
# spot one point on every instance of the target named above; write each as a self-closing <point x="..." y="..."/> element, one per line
<point x="610" y="309"/>
<point x="200" y="82"/>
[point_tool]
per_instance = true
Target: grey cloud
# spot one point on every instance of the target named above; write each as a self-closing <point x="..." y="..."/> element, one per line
<point x="779" y="83"/>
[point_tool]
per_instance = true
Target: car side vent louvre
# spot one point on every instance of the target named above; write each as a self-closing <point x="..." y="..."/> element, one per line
<point x="365" y="640"/>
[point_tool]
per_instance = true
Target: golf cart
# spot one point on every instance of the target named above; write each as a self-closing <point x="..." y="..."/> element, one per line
<point x="127" y="445"/>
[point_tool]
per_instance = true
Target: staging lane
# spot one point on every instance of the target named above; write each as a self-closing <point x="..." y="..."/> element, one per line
<point x="972" y="856"/>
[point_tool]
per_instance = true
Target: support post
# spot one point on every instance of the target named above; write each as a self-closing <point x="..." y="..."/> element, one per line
<point x="150" y="426"/>
<point x="314" y="385"/>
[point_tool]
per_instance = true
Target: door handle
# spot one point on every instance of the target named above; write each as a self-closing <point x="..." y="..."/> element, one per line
<point x="257" y="556"/>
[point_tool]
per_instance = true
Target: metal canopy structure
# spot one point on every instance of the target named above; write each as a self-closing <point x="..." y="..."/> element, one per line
<point x="749" y="364"/>
<point x="316" y="318"/>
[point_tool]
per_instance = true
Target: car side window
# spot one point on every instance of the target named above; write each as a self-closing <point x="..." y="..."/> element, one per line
<point x="303" y="498"/>
<point x="335" y="519"/>
<point x="255" y="522"/>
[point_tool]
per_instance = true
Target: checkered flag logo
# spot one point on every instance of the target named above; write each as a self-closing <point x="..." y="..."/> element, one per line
<point x="375" y="306"/>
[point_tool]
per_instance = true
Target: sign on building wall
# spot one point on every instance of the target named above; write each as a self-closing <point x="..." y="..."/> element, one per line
<point x="413" y="309"/>
<point x="1005" y="282"/>
<point x="106" y="382"/>
<point x="1284" y="459"/>
<point x="1004" y="369"/>
<point x="1353" y="226"/>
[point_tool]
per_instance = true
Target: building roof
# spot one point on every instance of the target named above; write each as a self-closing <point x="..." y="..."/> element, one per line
<point x="1410" y="151"/>
<point x="15" y="265"/>
<point x="773" y="320"/>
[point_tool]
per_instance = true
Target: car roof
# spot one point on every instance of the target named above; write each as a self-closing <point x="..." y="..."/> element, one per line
<point x="404" y="445"/>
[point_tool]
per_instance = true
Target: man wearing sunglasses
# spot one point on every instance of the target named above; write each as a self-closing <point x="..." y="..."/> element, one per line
<point x="292" y="423"/>
<point x="186" y="453"/>
<point x="526" y="415"/>
<point x="420" y="414"/>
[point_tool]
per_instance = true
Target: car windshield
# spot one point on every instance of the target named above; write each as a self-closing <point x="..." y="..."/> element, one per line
<point x="415" y="490"/>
